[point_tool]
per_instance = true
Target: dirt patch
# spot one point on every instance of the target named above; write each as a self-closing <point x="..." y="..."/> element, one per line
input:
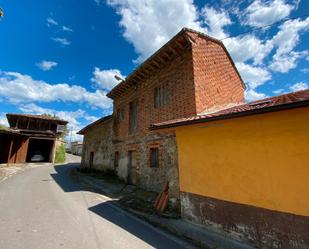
<point x="106" y="175"/>
<point x="128" y="196"/>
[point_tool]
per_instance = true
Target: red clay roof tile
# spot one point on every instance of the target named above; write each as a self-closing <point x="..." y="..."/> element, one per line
<point x="286" y="101"/>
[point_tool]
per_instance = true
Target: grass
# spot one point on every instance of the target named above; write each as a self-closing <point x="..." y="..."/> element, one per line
<point x="60" y="154"/>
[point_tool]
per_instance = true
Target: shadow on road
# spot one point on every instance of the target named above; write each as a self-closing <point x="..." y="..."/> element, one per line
<point x="66" y="181"/>
<point x="133" y="226"/>
<point x="108" y="211"/>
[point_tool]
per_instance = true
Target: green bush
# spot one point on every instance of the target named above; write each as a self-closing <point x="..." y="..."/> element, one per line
<point x="60" y="154"/>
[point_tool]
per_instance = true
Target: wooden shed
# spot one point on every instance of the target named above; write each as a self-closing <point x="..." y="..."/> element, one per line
<point x="30" y="138"/>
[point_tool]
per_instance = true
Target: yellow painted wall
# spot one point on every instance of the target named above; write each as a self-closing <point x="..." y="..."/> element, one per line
<point x="261" y="160"/>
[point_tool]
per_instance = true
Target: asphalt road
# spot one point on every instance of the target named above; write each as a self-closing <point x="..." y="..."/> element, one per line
<point x="43" y="208"/>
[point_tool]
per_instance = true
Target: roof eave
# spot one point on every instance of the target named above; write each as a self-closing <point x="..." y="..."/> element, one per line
<point x="112" y="93"/>
<point x="93" y="124"/>
<point x="234" y="115"/>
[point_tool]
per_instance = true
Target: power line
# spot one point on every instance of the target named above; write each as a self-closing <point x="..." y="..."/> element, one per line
<point x="266" y="26"/>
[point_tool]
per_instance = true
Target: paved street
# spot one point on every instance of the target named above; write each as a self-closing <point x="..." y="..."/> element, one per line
<point x="43" y="208"/>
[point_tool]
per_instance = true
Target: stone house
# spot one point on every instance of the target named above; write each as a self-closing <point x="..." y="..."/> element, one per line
<point x="190" y="75"/>
<point x="76" y="148"/>
<point x="97" y="145"/>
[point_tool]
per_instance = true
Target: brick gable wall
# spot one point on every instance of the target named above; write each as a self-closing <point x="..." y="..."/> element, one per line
<point x="217" y="83"/>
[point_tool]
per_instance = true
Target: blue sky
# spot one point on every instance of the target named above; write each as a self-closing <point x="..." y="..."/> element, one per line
<point x="60" y="57"/>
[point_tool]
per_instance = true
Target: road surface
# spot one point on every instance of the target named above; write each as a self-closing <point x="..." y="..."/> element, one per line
<point x="43" y="208"/>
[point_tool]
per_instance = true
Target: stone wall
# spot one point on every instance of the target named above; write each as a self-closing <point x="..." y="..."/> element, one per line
<point x="98" y="139"/>
<point x="177" y="76"/>
<point x="149" y="178"/>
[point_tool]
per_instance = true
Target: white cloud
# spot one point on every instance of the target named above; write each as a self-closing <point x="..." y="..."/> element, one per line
<point x="3" y="120"/>
<point x="299" y="86"/>
<point x="252" y="95"/>
<point x="51" y="21"/>
<point x="46" y="65"/>
<point x="67" y="29"/>
<point x="253" y="76"/>
<point x="20" y="88"/>
<point x="279" y="91"/>
<point x="261" y="13"/>
<point x="286" y="62"/>
<point x="62" y="41"/>
<point x="286" y="40"/>
<point x="105" y="79"/>
<point x="248" y="47"/>
<point x="150" y="24"/>
<point x="216" y="20"/>
<point x="157" y="21"/>
<point x="288" y="36"/>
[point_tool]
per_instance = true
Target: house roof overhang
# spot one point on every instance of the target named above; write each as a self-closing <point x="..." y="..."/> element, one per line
<point x="95" y="123"/>
<point x="277" y="103"/>
<point x="173" y="48"/>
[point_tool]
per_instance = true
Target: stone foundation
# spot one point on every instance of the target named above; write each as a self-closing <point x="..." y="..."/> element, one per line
<point x="260" y="227"/>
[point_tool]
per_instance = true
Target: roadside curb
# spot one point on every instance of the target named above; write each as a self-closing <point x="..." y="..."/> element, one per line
<point x="197" y="235"/>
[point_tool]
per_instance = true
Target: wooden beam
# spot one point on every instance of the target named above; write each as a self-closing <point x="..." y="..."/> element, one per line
<point x="152" y="67"/>
<point x="138" y="77"/>
<point x="180" y="45"/>
<point x="146" y="70"/>
<point x="161" y="59"/>
<point x="156" y="63"/>
<point x="139" y="71"/>
<point x="133" y="80"/>
<point x="168" y="55"/>
<point x="189" y="38"/>
<point x="173" y="50"/>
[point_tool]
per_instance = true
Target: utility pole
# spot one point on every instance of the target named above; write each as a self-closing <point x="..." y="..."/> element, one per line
<point x="71" y="130"/>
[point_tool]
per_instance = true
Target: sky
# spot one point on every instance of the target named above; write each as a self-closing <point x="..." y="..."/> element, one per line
<point x="60" y="57"/>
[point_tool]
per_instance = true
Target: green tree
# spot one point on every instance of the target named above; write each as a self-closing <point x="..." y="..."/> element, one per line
<point x="3" y="127"/>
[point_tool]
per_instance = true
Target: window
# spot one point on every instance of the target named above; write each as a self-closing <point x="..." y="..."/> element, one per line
<point x="133" y="127"/>
<point x="120" y="115"/>
<point x="116" y="159"/>
<point x="154" y="157"/>
<point x="161" y="96"/>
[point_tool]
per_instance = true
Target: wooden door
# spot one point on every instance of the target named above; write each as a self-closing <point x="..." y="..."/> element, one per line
<point x="132" y="168"/>
<point x="91" y="160"/>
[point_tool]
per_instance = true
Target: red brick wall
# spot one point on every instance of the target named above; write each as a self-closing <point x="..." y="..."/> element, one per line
<point x="178" y="75"/>
<point x="216" y="80"/>
<point x="213" y="82"/>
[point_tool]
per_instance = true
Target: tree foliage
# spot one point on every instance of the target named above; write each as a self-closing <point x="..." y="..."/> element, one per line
<point x="3" y="127"/>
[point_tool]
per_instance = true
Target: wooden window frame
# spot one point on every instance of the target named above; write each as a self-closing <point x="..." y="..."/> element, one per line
<point x="161" y="96"/>
<point x="156" y="163"/>
<point x="120" y="115"/>
<point x="133" y="117"/>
